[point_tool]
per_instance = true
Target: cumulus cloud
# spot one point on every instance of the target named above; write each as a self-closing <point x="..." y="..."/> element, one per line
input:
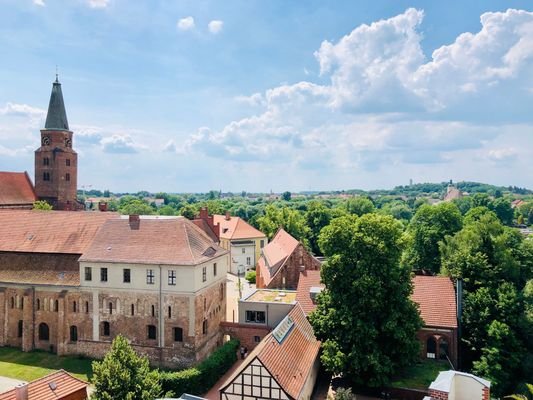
<point x="502" y="155"/>
<point x="39" y="3"/>
<point x="98" y="3"/>
<point x="122" y="144"/>
<point x="215" y="26"/>
<point x="385" y="103"/>
<point x="23" y="110"/>
<point x="185" y="24"/>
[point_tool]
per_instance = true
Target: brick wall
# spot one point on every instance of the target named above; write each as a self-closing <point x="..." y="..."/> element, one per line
<point x="486" y="393"/>
<point x="438" y="395"/>
<point x="287" y="277"/>
<point x="245" y="333"/>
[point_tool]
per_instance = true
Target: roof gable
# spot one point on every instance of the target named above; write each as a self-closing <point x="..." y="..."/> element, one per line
<point x="435" y="296"/>
<point x="16" y="189"/>
<point x="307" y="280"/>
<point x="57" y="385"/>
<point x="236" y="228"/>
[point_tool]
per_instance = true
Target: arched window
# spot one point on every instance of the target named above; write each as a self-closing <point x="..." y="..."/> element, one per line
<point x="205" y="304"/>
<point x="73" y="333"/>
<point x="12" y="302"/>
<point x="22" y="303"/>
<point x="38" y="304"/>
<point x="44" y="332"/>
<point x="105" y="328"/>
<point x="153" y="310"/>
<point x="86" y="306"/>
<point x="431" y="347"/>
<point x="169" y="311"/>
<point x="19" y="330"/>
<point x="178" y="334"/>
<point x="110" y="308"/>
<point x="133" y="309"/>
<point x="74" y="307"/>
<point x="56" y="305"/>
<point x="443" y="349"/>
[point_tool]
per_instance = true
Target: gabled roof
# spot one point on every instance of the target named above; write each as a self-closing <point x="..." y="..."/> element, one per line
<point x="308" y="279"/>
<point x="233" y="228"/>
<point x="49" y="231"/>
<point x="56" y="118"/>
<point x="289" y="361"/>
<point x="445" y="380"/>
<point x="41" y="389"/>
<point x="172" y="241"/>
<point x="275" y="254"/>
<point x="16" y="189"/>
<point x="435" y="296"/>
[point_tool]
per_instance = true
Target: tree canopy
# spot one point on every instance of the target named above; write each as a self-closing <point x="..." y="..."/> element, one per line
<point x="365" y="318"/>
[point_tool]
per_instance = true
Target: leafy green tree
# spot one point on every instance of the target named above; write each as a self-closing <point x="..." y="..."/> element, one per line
<point x="427" y="228"/>
<point x="360" y="206"/>
<point x="122" y="374"/>
<point x="365" y="318"/>
<point x="494" y="263"/>
<point x="480" y="200"/>
<point x="167" y="210"/>
<point x="189" y="211"/>
<point x="42" y="205"/>
<point x="286" y="196"/>
<point x="290" y="220"/>
<point x="502" y="208"/>
<point x="136" y="206"/>
<point x="317" y="217"/>
<point x="464" y="204"/>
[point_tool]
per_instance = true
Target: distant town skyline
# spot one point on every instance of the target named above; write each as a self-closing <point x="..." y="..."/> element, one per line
<point x="195" y="96"/>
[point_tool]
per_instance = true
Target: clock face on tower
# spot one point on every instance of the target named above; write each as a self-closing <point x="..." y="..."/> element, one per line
<point x="68" y="142"/>
<point x="45" y="141"/>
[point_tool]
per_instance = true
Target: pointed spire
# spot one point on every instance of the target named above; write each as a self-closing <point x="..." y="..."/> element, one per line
<point x="57" y="116"/>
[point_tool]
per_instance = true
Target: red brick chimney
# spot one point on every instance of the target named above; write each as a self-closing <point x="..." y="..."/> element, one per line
<point x="134" y="221"/>
<point x="210" y="221"/>
<point x="102" y="206"/>
<point x="21" y="392"/>
<point x="228" y="217"/>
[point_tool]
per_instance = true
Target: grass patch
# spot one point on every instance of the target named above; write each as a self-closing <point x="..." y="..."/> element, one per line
<point x="36" y="364"/>
<point x="420" y="375"/>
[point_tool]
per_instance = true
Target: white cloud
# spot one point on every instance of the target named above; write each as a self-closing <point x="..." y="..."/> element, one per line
<point x="39" y="3"/>
<point x="215" y="26"/>
<point x="22" y="110"/>
<point x="185" y="24"/>
<point x="502" y="154"/>
<point x="98" y="3"/>
<point x="120" y="144"/>
<point x="255" y="99"/>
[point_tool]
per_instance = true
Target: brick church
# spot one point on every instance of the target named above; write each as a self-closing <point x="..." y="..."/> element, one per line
<point x="56" y="165"/>
<point x="71" y="281"/>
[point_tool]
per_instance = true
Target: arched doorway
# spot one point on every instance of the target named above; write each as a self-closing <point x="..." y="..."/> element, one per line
<point x="431" y="347"/>
<point x="44" y="332"/>
<point x="443" y="349"/>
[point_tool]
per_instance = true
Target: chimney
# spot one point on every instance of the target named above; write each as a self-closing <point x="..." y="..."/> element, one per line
<point x="228" y="217"/>
<point x="21" y="392"/>
<point x="204" y="213"/>
<point x="134" y="221"/>
<point x="313" y="292"/>
<point x="102" y="206"/>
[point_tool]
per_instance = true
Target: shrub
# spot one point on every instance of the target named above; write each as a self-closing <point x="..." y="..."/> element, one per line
<point x="199" y="379"/>
<point x="250" y="276"/>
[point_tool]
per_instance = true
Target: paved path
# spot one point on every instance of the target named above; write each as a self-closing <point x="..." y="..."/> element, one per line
<point x="8" y="383"/>
<point x="232" y="296"/>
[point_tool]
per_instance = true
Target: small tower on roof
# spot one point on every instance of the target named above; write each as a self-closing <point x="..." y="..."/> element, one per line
<point x="56" y="163"/>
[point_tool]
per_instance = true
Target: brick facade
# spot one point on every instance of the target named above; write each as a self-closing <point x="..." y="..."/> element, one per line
<point x="249" y="335"/>
<point x="440" y="335"/>
<point x="438" y="395"/>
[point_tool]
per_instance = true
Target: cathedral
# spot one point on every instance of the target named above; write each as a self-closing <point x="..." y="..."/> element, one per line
<point x="56" y="165"/>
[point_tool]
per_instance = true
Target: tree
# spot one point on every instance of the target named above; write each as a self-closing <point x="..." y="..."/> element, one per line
<point x="360" y="206"/>
<point x="286" y="196"/>
<point x="427" y="228"/>
<point x="42" y="205"/>
<point x="290" y="220"/>
<point x="136" y="206"/>
<point x="365" y="318"/>
<point x="502" y="208"/>
<point x="189" y="211"/>
<point x="317" y="217"/>
<point x="124" y="375"/>
<point x="494" y="263"/>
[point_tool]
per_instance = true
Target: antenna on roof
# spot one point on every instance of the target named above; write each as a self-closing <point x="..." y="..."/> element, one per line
<point x="57" y="75"/>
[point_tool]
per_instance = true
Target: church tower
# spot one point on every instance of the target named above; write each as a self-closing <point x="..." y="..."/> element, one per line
<point x="56" y="163"/>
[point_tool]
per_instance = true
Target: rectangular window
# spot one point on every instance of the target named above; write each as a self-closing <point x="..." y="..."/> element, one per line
<point x="243" y="250"/>
<point x="88" y="274"/>
<point x="204" y="327"/>
<point x="248" y="260"/>
<point x="215" y="269"/>
<point x="255" y="316"/>
<point x="262" y="243"/>
<point x="150" y="277"/>
<point x="152" y="333"/>
<point x="178" y="335"/>
<point x="67" y="176"/>
<point x="68" y="162"/>
<point x="46" y="176"/>
<point x="204" y="274"/>
<point x="172" y="277"/>
<point x="126" y="275"/>
<point x="103" y="274"/>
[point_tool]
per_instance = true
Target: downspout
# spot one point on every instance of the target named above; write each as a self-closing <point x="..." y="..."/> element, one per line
<point x="459" y="300"/>
<point x="33" y="319"/>
<point x="161" y="316"/>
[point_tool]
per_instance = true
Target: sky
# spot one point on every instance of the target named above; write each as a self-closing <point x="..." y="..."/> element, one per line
<point x="192" y="96"/>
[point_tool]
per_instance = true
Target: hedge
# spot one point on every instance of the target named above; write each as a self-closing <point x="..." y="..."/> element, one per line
<point x="198" y="380"/>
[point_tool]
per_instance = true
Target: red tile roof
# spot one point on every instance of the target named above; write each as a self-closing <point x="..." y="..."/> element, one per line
<point x="16" y="189"/>
<point x="49" y="231"/>
<point x="41" y="389"/>
<point x="291" y="361"/>
<point x="435" y="296"/>
<point x="173" y="241"/>
<point x="275" y="254"/>
<point x="236" y="228"/>
<point x="307" y="280"/>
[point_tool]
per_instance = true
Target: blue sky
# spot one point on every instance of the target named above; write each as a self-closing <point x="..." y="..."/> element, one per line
<point x="187" y="96"/>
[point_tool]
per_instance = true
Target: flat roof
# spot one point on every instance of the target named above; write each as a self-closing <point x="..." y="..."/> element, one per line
<point x="273" y="296"/>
